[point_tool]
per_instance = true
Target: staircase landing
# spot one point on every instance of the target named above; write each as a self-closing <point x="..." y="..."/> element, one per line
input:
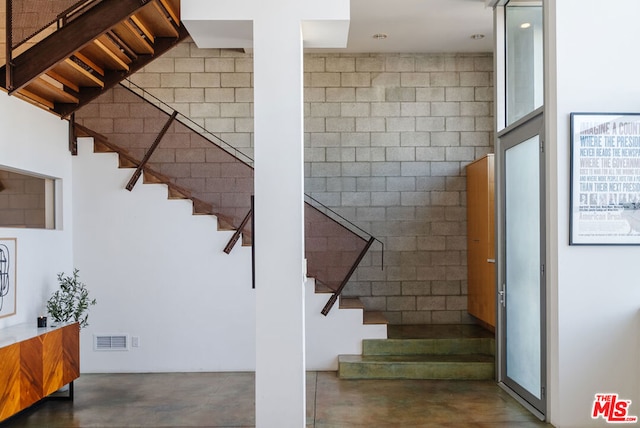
<point x="464" y="352"/>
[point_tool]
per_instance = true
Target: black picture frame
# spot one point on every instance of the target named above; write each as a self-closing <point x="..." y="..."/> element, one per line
<point x="605" y="179"/>
<point x="8" y="290"/>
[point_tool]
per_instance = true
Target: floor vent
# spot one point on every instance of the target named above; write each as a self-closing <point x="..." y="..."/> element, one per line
<point x="114" y="342"/>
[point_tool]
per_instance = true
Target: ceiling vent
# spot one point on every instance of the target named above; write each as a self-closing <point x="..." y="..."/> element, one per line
<point x="113" y="342"/>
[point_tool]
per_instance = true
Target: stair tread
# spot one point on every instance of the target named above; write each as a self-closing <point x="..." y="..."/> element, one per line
<point x="83" y="131"/>
<point x="415" y="359"/>
<point x="321" y="288"/>
<point x="351" y="303"/>
<point x="428" y="346"/>
<point x="437" y="331"/>
<point x="153" y="176"/>
<point x="431" y="340"/>
<point x="247" y="239"/>
<point x="373" y="317"/>
<point x="154" y="18"/>
<point x="426" y="366"/>
<point x="178" y="192"/>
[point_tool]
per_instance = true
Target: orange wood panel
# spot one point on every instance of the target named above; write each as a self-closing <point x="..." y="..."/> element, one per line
<point x="491" y="232"/>
<point x="37" y="366"/>
<point x="9" y="380"/>
<point x="71" y="353"/>
<point x="30" y="371"/>
<point x="52" y="366"/>
<point x="155" y="19"/>
<point x="481" y="241"/>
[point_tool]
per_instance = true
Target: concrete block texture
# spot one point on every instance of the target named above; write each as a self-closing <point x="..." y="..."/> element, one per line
<point x="387" y="138"/>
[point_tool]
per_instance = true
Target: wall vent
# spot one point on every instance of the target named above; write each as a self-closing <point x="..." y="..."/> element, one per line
<point x="110" y="342"/>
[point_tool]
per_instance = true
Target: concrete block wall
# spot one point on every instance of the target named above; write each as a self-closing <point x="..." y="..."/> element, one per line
<point x="29" y="19"/>
<point x="387" y="137"/>
<point x="212" y="87"/>
<point x="22" y="200"/>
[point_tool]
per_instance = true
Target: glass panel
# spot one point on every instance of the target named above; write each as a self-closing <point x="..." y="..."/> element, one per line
<point x="220" y="183"/>
<point x="331" y="248"/>
<point x="522" y="233"/>
<point x="524" y="59"/>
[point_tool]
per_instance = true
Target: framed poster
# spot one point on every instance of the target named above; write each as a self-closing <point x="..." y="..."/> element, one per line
<point x="605" y="179"/>
<point x="7" y="277"/>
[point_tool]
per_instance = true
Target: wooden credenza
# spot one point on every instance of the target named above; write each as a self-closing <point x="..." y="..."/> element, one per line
<point x="481" y="277"/>
<point x="35" y="362"/>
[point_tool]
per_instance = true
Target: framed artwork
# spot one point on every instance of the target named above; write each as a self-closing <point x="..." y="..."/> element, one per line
<point x="605" y="179"/>
<point x="8" y="247"/>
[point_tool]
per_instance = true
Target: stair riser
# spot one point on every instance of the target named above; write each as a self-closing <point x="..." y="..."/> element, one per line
<point x="449" y="371"/>
<point x="428" y="346"/>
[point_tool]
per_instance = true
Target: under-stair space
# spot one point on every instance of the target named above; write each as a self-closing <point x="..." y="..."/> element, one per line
<point x="454" y="352"/>
<point x="64" y="55"/>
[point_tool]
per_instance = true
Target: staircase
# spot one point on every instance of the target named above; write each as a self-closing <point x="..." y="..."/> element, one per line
<point x="324" y="264"/>
<point x="69" y="58"/>
<point x="460" y="352"/>
<point x="62" y="59"/>
<point x="217" y="181"/>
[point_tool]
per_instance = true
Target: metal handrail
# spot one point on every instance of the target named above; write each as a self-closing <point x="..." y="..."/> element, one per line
<point x="136" y="175"/>
<point x="353" y="228"/>
<point x="239" y="230"/>
<point x="334" y="297"/>
<point x="342" y="218"/>
<point x="191" y="123"/>
<point x="226" y="146"/>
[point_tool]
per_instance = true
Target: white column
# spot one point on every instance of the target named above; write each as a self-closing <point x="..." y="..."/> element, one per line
<point x="279" y="223"/>
<point x="275" y="30"/>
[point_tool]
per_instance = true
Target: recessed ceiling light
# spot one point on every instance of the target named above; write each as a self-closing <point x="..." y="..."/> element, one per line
<point x="525" y="25"/>
<point x="477" y="36"/>
<point x="380" y="36"/>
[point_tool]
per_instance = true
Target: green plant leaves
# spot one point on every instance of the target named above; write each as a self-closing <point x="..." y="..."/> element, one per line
<point x="71" y="301"/>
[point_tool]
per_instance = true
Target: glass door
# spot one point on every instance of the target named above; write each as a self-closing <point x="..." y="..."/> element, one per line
<point x="522" y="289"/>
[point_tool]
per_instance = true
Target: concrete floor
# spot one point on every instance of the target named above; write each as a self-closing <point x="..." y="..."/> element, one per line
<point x="227" y="400"/>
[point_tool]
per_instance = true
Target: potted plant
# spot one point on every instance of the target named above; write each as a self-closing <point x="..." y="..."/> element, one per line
<point x="71" y="302"/>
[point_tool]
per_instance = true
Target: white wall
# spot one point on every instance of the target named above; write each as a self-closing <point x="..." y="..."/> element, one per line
<point x="35" y="141"/>
<point x="159" y="273"/>
<point x="594" y="290"/>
